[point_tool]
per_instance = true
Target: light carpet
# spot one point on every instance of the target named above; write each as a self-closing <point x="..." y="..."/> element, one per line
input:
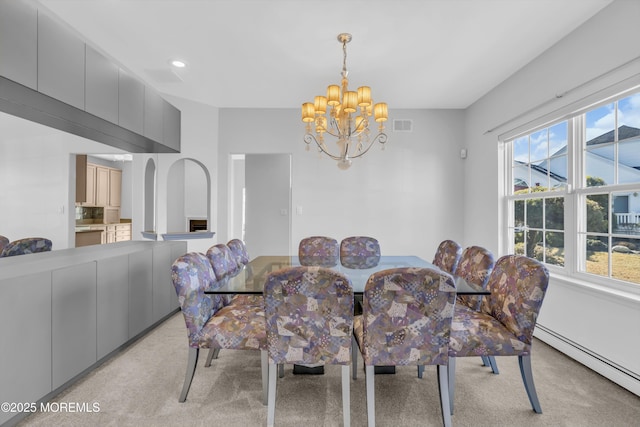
<point x="141" y="384"/>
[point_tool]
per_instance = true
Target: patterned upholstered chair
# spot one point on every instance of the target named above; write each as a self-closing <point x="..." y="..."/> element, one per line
<point x="319" y="251"/>
<point x="447" y="256"/>
<point x="406" y="320"/>
<point x="212" y="324"/>
<point x="222" y="260"/>
<point x="309" y="315"/>
<point x="359" y="252"/>
<point x="475" y="266"/>
<point x="4" y="241"/>
<point x="239" y="251"/>
<point x="29" y="245"/>
<point x="504" y="325"/>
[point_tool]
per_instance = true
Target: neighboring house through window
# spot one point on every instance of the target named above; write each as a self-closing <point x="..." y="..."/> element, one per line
<point x="574" y="192"/>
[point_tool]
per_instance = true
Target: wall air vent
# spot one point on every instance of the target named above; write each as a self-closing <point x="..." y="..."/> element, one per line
<point x="402" y="125"/>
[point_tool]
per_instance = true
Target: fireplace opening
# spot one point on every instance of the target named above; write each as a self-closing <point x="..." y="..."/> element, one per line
<point x="198" y="225"/>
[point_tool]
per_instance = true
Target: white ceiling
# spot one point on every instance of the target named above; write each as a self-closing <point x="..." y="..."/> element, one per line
<point x="281" y="53"/>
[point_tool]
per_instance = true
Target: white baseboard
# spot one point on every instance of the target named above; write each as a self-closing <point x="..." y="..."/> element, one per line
<point x="604" y="367"/>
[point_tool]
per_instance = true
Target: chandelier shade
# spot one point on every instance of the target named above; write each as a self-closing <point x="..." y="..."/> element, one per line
<point x="344" y="115"/>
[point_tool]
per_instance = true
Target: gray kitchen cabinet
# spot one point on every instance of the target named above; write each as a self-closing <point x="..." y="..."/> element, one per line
<point x="130" y="102"/>
<point x="113" y="303"/>
<point x="162" y="284"/>
<point x="101" y="93"/>
<point x="61" y="58"/>
<point x="171" y="123"/>
<point x="25" y="334"/>
<point x="73" y="321"/>
<point x="19" y="43"/>
<point x="153" y="112"/>
<point x="140" y="291"/>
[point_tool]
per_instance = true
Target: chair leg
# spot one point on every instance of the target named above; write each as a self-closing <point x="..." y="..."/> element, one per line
<point x="354" y="357"/>
<point x="281" y="370"/>
<point x="264" y="365"/>
<point x="346" y="397"/>
<point x="191" y="369"/>
<point x="485" y="361"/>
<point x="371" y="398"/>
<point x="271" y="407"/>
<point x="493" y="364"/>
<point x="451" y="374"/>
<point x="527" y="378"/>
<point x="213" y="354"/>
<point x="443" y="387"/>
<point x="420" y="370"/>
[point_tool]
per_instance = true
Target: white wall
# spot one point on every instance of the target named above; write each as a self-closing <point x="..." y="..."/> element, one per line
<point x="587" y="318"/>
<point x="409" y="196"/>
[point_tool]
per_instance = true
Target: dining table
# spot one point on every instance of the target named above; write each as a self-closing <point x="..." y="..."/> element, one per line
<point x="251" y="278"/>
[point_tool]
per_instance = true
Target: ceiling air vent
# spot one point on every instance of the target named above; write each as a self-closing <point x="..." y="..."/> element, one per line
<point x="402" y="125"/>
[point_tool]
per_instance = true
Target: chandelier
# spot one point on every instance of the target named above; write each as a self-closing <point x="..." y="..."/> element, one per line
<point x="344" y="115"/>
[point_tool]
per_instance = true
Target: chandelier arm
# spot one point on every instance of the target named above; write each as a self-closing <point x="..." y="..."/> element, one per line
<point x="381" y="138"/>
<point x="309" y="138"/>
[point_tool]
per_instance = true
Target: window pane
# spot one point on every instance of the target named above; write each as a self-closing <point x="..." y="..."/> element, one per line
<point x="534" y="213"/>
<point x="539" y="145"/>
<point x="554" y="253"/>
<point x="629" y="117"/>
<point x="558" y="139"/>
<point x="626" y="215"/>
<point x="598" y="213"/>
<point x="629" y="160"/>
<point x="521" y="150"/>
<point x="625" y="260"/>
<point x="558" y="172"/>
<point x="533" y="244"/>
<point x="600" y="124"/>
<point x="599" y="165"/>
<point x="597" y="255"/>
<point x="518" y="214"/>
<point x="554" y="213"/>
<point x="518" y="243"/>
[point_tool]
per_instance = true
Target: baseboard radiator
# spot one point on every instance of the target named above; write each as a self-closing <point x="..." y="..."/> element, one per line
<point x="618" y="374"/>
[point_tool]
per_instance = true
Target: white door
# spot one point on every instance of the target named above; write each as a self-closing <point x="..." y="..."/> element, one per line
<point x="268" y="204"/>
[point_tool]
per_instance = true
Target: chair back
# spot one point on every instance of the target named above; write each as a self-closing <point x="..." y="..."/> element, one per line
<point x="4" y="241"/>
<point x="222" y="260"/>
<point x="475" y="266"/>
<point x="407" y="314"/>
<point x="192" y="274"/>
<point x="319" y="251"/>
<point x="309" y="315"/>
<point x="239" y="252"/>
<point x="29" y="245"/>
<point x="518" y="285"/>
<point x="359" y="252"/>
<point x="447" y="256"/>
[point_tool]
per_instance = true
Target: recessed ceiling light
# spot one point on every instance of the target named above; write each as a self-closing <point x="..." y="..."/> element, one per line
<point x="178" y="63"/>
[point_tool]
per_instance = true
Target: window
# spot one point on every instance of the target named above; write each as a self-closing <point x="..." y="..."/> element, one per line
<point x="577" y="182"/>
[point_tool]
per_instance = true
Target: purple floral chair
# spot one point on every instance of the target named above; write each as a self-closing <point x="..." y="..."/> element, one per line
<point x="447" y="256"/>
<point x="475" y="266"/>
<point x="212" y="324"/>
<point x="239" y="252"/>
<point x="4" y="241"/>
<point x="359" y="252"/>
<point x="309" y="316"/>
<point x="318" y="251"/>
<point x="505" y="322"/>
<point x="406" y="320"/>
<point x="29" y="245"/>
